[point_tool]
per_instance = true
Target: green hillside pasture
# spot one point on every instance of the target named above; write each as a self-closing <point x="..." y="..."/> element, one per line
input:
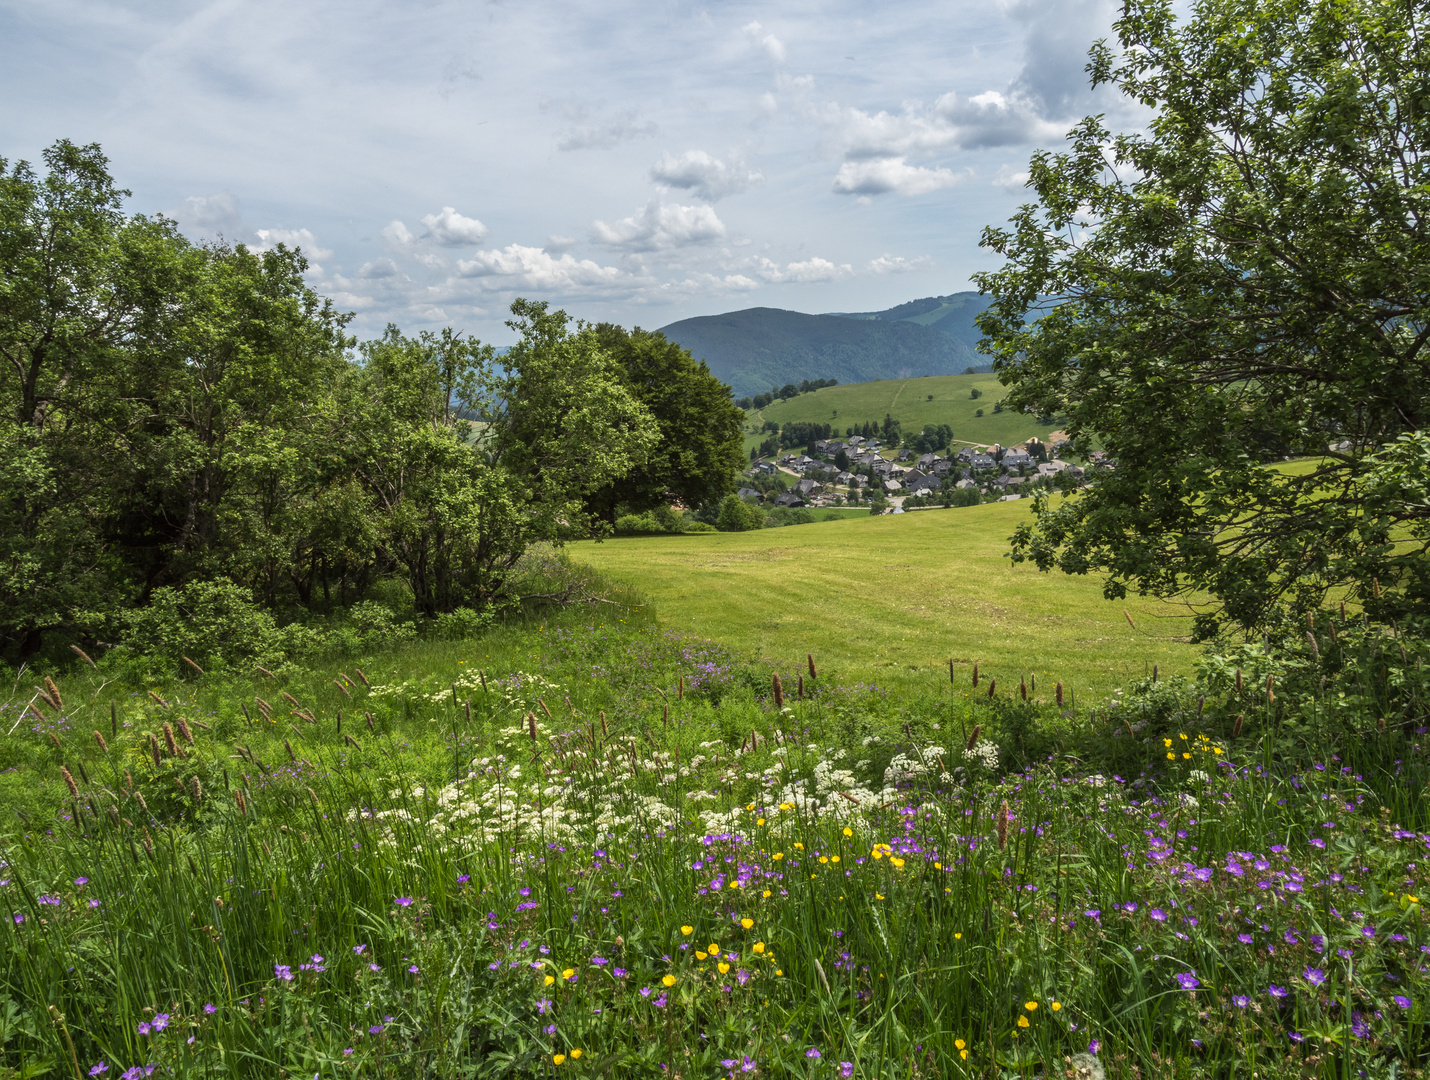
<point x="907" y="400"/>
<point x="886" y="599"/>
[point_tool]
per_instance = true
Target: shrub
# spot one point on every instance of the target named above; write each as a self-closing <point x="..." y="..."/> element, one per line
<point x="735" y="516"/>
<point x="699" y="527"/>
<point x="214" y="623"/>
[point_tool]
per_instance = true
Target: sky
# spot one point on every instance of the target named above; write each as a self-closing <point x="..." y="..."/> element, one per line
<point x="630" y="162"/>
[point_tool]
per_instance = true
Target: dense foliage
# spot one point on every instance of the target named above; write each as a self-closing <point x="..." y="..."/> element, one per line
<point x="1242" y="284"/>
<point x="188" y="429"/>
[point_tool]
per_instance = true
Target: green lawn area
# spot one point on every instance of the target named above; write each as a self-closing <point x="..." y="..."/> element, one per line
<point x="887" y="599"/>
<point x="908" y="400"/>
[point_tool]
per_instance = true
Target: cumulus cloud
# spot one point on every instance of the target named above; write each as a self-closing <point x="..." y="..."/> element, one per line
<point x="397" y="234"/>
<point x="659" y="226"/>
<point x="378" y="268"/>
<point x="951" y="123"/>
<point x="209" y="217"/>
<point x="891" y="175"/>
<point x="699" y="173"/>
<point x="518" y="267"/>
<point x="772" y="46"/>
<point x="897" y="264"/>
<point x="1011" y="179"/>
<point x="302" y="239"/>
<point x="451" y="229"/>
<point x="813" y="269"/>
<point x="1058" y="34"/>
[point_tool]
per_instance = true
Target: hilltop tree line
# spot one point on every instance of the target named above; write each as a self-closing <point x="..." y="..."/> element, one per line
<point x="186" y="424"/>
<point x="785" y="392"/>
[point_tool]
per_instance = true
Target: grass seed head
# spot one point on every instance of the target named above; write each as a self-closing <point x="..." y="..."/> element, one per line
<point x="54" y="740"/>
<point x="83" y="656"/>
<point x="193" y="665"/>
<point x="289" y="747"/>
<point x="100" y="739"/>
<point x="185" y="732"/>
<point x="779" y="691"/>
<point x="54" y="692"/>
<point x="196" y="789"/>
<point x="1001" y="822"/>
<point x="813" y="674"/>
<point x="242" y="802"/>
<point x="1059" y="694"/>
<point x="69" y="781"/>
<point x="975" y="672"/>
<point x="169" y="740"/>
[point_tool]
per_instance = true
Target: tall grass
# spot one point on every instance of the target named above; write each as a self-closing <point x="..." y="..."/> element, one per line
<point x="441" y="894"/>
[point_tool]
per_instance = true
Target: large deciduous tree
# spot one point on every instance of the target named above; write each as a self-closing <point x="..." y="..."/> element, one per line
<point x="701" y="446"/>
<point x="1245" y="281"/>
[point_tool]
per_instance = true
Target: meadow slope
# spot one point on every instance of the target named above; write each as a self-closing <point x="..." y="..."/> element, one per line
<point x="886" y="599"/>
<point x="908" y="400"/>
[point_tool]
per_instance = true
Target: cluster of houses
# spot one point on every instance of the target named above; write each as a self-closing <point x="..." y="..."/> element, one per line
<point x="1008" y="468"/>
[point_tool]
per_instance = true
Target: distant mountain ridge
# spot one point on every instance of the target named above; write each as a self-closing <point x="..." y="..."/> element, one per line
<point x="758" y="348"/>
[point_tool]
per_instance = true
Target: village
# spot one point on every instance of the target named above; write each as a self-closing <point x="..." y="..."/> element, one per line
<point x="859" y="471"/>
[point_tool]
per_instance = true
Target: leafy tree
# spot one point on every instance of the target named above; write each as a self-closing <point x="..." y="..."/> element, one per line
<point x="841" y="460"/>
<point x="1242" y="283"/>
<point x="700" y="447"/>
<point x="975" y="393"/>
<point x="736" y="516"/>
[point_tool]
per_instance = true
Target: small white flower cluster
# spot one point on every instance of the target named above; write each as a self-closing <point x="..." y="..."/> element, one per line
<point x="984" y="754"/>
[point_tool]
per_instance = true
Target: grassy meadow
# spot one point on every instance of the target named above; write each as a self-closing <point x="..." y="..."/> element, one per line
<point x="609" y="842"/>
<point x="932" y="399"/>
<point x="891" y="599"/>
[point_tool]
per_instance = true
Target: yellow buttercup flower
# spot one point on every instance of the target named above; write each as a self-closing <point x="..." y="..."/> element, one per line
<point x="687" y="930"/>
<point x="700" y="955"/>
<point x="734" y="884"/>
<point x="724" y="968"/>
<point x="897" y="863"/>
<point x="1055" y="1005"/>
<point x="779" y="972"/>
<point x="959" y="1044"/>
<point x="758" y="946"/>
<point x="557" y="1059"/>
<point x="550" y="979"/>
<point x="750" y="807"/>
<point x="1023" y="1021"/>
<point x="747" y="923"/>
<point x="766" y="894"/>
<point x="878" y="896"/>
<point x="1171" y="756"/>
<point x="668" y="980"/>
<point x="957" y="937"/>
<point x="824" y="858"/>
<point x="575" y="1054"/>
<point x="834" y="858"/>
<point x="714" y="949"/>
<point x="568" y="973"/>
<point x="799" y="845"/>
<point x="779" y="855"/>
<point x="848" y="831"/>
<point x="1031" y="1006"/>
<point x="760" y="821"/>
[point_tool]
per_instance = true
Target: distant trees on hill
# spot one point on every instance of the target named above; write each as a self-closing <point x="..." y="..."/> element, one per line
<point x="785" y="392"/>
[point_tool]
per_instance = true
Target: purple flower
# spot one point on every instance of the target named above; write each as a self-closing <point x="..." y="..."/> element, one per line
<point x="404" y="901"/>
<point x="359" y="948"/>
<point x="19" y="919"/>
<point x="1367" y="931"/>
<point x="85" y="881"/>
<point x="661" y="1001"/>
<point x="161" y="1021"/>
<point x="1314" y="976"/>
<point x="645" y="991"/>
<point x="1245" y="939"/>
<point x="283" y="971"/>
<point x="1187" y="980"/>
<point x="1158" y="914"/>
<point x="1278" y="991"/>
<point x="1241" y="1001"/>
<point x="374" y="967"/>
<point x="97" y="1068"/>
<point x="376" y="1029"/>
<point x="210" y="1009"/>
<point x="462" y="879"/>
<point x="1401" y="1000"/>
<point x="619" y="972"/>
<point x="1094" y="1046"/>
<point x="812" y="1053"/>
<point x="412" y="970"/>
<point x="543" y="1005"/>
<point x="846" y="1068"/>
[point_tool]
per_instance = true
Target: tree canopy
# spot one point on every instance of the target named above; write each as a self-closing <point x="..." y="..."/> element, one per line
<point x="174" y="414"/>
<point x="1244" y="283"/>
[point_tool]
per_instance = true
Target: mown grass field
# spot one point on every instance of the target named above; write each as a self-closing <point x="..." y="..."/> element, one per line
<point x="892" y="599"/>
<point x="908" y="400"/>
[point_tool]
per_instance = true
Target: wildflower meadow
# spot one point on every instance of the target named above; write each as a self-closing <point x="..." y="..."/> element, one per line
<point x="597" y="848"/>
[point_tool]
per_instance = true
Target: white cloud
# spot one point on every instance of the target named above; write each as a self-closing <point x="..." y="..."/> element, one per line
<point x="708" y="177"/>
<point x="985" y="120"/>
<point x="897" y="264"/>
<point x="813" y="269"/>
<point x="772" y="46"/>
<point x="516" y="266"/>
<point x="210" y="217"/>
<point x="302" y="239"/>
<point x="451" y="229"/>
<point x="894" y="175"/>
<point x="660" y="226"/>
<point x="397" y="233"/>
<point x="378" y="268"/>
<point x="1011" y="179"/>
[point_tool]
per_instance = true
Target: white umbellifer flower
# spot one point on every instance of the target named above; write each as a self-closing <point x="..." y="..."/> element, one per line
<point x="984" y="754"/>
